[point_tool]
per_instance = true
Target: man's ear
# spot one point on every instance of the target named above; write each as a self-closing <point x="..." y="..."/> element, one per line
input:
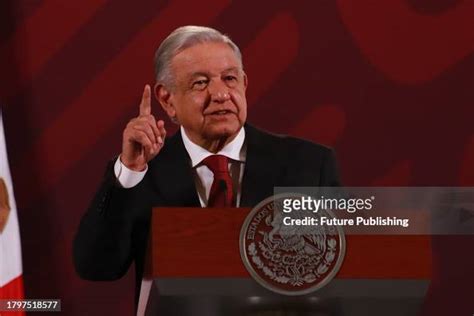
<point x="163" y="95"/>
<point x="246" y="81"/>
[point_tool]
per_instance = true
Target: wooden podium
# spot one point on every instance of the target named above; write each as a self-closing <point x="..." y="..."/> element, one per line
<point x="194" y="268"/>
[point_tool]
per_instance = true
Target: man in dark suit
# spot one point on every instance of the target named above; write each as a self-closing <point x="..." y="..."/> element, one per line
<point x="215" y="159"/>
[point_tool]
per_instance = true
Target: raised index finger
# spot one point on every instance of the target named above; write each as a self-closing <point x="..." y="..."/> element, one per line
<point x="145" y="105"/>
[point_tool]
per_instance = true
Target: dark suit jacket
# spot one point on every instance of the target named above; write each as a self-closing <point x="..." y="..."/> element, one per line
<point x="114" y="230"/>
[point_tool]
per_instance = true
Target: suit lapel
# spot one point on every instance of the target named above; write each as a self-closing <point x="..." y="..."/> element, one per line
<point x="261" y="168"/>
<point x="172" y="175"/>
<point x="173" y="178"/>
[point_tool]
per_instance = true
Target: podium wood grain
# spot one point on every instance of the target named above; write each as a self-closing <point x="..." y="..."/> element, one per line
<point x="204" y="242"/>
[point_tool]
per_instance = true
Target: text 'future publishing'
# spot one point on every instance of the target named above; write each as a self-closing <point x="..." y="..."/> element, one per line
<point x="358" y="221"/>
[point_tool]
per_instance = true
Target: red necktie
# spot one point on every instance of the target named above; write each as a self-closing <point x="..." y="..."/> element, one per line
<point x="221" y="194"/>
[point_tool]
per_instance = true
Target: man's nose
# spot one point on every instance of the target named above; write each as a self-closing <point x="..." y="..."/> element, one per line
<point x="219" y="92"/>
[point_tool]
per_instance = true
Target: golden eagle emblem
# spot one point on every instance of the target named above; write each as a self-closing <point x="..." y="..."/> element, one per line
<point x="4" y="205"/>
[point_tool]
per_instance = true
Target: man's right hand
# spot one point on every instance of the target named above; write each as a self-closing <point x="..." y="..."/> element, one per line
<point x="143" y="136"/>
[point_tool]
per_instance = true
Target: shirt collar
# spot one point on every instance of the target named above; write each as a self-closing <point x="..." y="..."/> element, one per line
<point x="234" y="150"/>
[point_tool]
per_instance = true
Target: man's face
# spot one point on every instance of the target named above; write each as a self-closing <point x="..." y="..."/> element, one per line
<point x="209" y="94"/>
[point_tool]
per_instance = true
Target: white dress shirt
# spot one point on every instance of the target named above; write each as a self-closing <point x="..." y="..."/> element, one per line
<point x="236" y="151"/>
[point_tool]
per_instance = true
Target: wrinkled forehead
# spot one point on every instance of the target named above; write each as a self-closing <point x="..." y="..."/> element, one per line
<point x="209" y="57"/>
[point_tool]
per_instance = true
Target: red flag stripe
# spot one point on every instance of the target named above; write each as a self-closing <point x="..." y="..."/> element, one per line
<point x="13" y="290"/>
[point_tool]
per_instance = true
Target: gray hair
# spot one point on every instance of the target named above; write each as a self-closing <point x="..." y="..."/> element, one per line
<point x="180" y="39"/>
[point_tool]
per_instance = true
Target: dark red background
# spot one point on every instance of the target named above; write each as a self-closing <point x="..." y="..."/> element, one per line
<point x="389" y="84"/>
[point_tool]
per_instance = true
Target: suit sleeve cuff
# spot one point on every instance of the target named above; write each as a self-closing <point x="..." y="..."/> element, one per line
<point x="126" y="177"/>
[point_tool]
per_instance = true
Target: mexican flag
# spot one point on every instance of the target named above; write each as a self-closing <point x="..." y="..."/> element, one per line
<point x="11" y="280"/>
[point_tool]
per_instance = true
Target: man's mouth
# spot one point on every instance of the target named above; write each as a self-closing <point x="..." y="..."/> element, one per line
<point x="221" y="112"/>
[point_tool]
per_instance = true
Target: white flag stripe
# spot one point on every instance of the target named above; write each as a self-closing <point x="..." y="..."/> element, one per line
<point x="10" y="246"/>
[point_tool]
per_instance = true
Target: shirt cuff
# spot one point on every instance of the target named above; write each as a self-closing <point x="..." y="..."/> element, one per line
<point x="126" y="177"/>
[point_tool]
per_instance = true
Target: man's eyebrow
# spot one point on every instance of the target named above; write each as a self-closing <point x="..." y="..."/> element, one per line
<point x="236" y="69"/>
<point x="198" y="74"/>
<point x="205" y="74"/>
